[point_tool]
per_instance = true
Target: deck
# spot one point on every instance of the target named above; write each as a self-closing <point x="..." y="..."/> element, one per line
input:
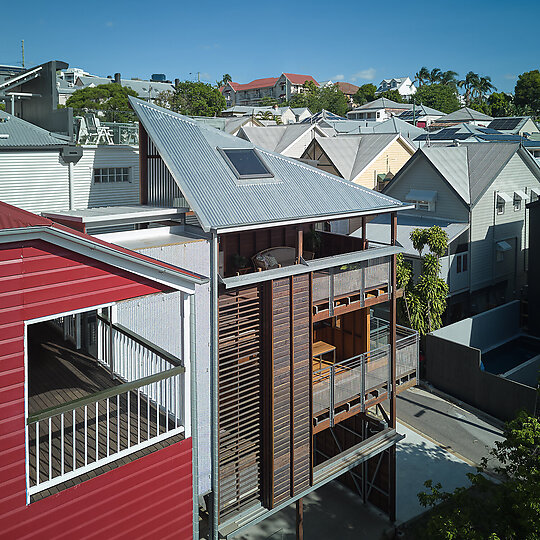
<point x="59" y="374"/>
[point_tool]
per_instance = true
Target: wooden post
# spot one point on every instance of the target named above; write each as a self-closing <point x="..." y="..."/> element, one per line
<point x="300" y="519"/>
<point x="299" y="243"/>
<point x="364" y="239"/>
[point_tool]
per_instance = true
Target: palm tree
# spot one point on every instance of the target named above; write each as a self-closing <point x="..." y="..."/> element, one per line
<point x="449" y="78"/>
<point x="470" y="84"/>
<point x="422" y="76"/>
<point x="484" y="86"/>
<point x="435" y="75"/>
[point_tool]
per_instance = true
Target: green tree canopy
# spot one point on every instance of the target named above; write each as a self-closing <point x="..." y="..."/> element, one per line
<point x="316" y="99"/>
<point x="193" y="99"/>
<point x="365" y="94"/>
<point x="438" y="96"/>
<point x="527" y="91"/>
<point x="501" y="104"/>
<point x="110" y="98"/>
<point x="506" y="510"/>
<point x="423" y="303"/>
<point x="393" y="95"/>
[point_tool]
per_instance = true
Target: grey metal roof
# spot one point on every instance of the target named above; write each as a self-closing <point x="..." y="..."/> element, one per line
<point x="378" y="229"/>
<point x="392" y="125"/>
<point x="143" y="88"/>
<point x="297" y="192"/>
<point x="17" y="133"/>
<point x="229" y="124"/>
<point x="464" y="115"/>
<point x="382" y="103"/>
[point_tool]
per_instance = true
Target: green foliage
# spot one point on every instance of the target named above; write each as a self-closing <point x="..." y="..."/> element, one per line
<point x="527" y="91"/>
<point x="268" y="101"/>
<point x="438" y="96"/>
<point x="501" y="104"/>
<point x="110" y="98"/>
<point x="394" y="95"/>
<point x="316" y="99"/>
<point x="480" y="106"/>
<point x="506" y="510"/>
<point x="193" y="99"/>
<point x="2" y="106"/>
<point x="224" y="80"/>
<point x="423" y="303"/>
<point x="365" y="94"/>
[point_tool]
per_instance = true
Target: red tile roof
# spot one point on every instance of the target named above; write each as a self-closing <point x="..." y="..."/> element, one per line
<point x="300" y="79"/>
<point x="12" y="217"/>
<point x="348" y="88"/>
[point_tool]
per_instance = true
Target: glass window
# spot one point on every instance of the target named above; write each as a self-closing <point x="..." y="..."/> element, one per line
<point x="246" y="163"/>
<point x="517" y="203"/>
<point x="500" y="206"/>
<point x="111" y="174"/>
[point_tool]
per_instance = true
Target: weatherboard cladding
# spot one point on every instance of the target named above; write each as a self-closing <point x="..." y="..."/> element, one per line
<point x="297" y="191"/>
<point x="38" y="280"/>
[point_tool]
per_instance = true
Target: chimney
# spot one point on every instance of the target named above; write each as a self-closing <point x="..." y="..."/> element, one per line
<point x="117" y="78"/>
<point x="176" y="82"/>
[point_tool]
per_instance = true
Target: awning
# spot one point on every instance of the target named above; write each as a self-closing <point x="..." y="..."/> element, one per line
<point x="536" y="191"/>
<point x="421" y="195"/>
<point x="503" y="246"/>
<point x="521" y="194"/>
<point x="504" y="196"/>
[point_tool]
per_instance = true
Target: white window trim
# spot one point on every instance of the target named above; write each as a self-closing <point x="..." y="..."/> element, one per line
<point x="116" y="174"/>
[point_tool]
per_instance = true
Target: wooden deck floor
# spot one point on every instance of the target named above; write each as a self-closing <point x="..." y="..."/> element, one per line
<point x="59" y="374"/>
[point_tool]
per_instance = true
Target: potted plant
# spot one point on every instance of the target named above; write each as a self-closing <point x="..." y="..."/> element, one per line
<point x="240" y="263"/>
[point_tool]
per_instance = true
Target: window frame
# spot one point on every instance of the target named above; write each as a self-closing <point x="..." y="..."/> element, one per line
<point x="124" y="175"/>
<point x="223" y="152"/>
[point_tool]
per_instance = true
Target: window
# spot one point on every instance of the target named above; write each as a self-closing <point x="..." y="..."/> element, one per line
<point x="517" y="203"/>
<point x="462" y="262"/>
<point x="245" y="163"/>
<point x="423" y="205"/>
<point x="500" y="206"/>
<point x="502" y="199"/>
<point x="111" y="174"/>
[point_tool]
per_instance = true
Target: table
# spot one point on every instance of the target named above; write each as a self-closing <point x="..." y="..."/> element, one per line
<point x="320" y="348"/>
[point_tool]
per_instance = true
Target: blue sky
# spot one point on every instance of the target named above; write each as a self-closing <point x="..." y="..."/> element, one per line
<point x="362" y="41"/>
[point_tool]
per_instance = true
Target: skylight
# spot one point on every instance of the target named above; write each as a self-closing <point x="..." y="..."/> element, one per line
<point x="245" y="163"/>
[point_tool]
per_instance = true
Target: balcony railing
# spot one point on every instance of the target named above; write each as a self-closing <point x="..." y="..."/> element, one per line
<point x="79" y="436"/>
<point x="365" y="378"/>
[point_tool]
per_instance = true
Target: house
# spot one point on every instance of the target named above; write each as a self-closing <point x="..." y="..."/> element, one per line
<point x="486" y="186"/>
<point x="403" y="85"/>
<point x="290" y="140"/>
<point x="514" y="125"/>
<point x="285" y="114"/>
<point x="348" y="89"/>
<point x="288" y="311"/>
<point x="94" y="417"/>
<point x="421" y="116"/>
<point x="231" y="125"/>
<point x="301" y="113"/>
<point x="322" y="116"/>
<point x="354" y="127"/>
<point x="368" y="160"/>
<point x="281" y="88"/>
<point x="463" y="116"/>
<point x="379" y="110"/>
<point x="70" y="176"/>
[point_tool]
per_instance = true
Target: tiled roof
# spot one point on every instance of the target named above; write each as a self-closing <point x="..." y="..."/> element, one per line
<point x="257" y="83"/>
<point x="300" y="79"/>
<point x="347" y="88"/>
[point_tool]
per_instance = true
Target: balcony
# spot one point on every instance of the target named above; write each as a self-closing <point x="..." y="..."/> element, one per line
<point x="88" y="414"/>
<point x="362" y="381"/>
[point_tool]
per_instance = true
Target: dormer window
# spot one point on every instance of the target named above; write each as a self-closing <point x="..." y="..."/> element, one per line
<point x="519" y="196"/>
<point x="502" y="199"/>
<point x="245" y="163"/>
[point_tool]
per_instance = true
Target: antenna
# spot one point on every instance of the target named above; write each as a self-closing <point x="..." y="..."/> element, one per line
<point x="22" y="50"/>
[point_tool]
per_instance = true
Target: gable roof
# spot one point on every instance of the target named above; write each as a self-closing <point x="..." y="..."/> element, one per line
<point x="276" y="138"/>
<point x="509" y="124"/>
<point x="17" y="133"/>
<point x="382" y="103"/>
<point x="19" y="225"/>
<point x="347" y="88"/>
<point x="320" y="116"/>
<point x="464" y="115"/>
<point x="296" y="193"/>
<point x="470" y="168"/>
<point x="419" y="110"/>
<point x="300" y="79"/>
<point x="392" y="125"/>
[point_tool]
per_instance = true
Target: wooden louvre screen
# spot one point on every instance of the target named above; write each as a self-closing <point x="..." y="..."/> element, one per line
<point x="240" y="396"/>
<point x="291" y="407"/>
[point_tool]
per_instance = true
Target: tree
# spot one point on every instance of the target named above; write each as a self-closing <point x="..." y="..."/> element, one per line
<point x="316" y="99"/>
<point x="423" y="303"/>
<point x="469" y="83"/>
<point x="224" y="80"/>
<point x="365" y="94"/>
<point x="449" y="78"/>
<point x="393" y="95"/>
<point x="438" y="96"/>
<point x="111" y="99"/>
<point x="487" y="510"/>
<point x="501" y="104"/>
<point x="268" y="101"/>
<point x="422" y="76"/>
<point x="527" y="91"/>
<point x="435" y="76"/>
<point x="484" y="86"/>
<point x="193" y="99"/>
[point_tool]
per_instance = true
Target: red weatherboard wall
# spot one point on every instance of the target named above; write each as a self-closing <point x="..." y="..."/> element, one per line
<point x="150" y="497"/>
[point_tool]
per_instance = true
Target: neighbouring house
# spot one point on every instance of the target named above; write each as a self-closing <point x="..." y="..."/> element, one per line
<point x="322" y="116"/>
<point x="463" y="116"/>
<point x="486" y="186"/>
<point x="57" y="175"/>
<point x="263" y="114"/>
<point x="281" y="88"/>
<point x="514" y="125"/>
<point x="301" y="113"/>
<point x="488" y="361"/>
<point x="231" y="125"/>
<point x="369" y="160"/>
<point x="421" y="116"/>
<point x="95" y="418"/>
<point x="359" y="127"/>
<point x="379" y="110"/>
<point x="290" y="140"/>
<point x="288" y="311"/>
<point x="403" y="85"/>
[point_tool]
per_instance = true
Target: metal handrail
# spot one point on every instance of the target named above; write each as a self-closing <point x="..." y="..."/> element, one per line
<point x="162" y="353"/>
<point x="103" y="394"/>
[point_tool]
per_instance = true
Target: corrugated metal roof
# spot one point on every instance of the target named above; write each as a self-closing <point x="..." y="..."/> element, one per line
<point x="382" y="103"/>
<point x="22" y="134"/>
<point x="464" y="115"/>
<point x="392" y="125"/>
<point x="220" y="200"/>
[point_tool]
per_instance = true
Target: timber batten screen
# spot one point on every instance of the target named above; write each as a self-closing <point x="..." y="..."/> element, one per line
<point x="240" y="398"/>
